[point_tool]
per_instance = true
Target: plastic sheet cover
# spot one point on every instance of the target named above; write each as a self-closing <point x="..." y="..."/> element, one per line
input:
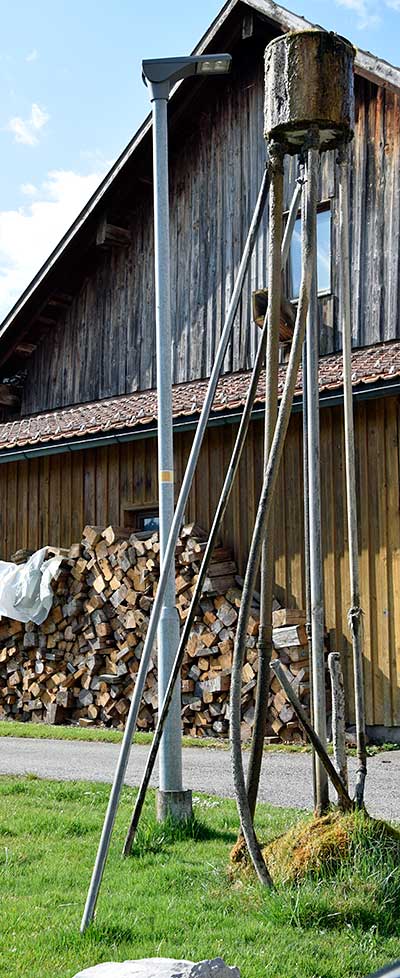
<point x="25" y="589"/>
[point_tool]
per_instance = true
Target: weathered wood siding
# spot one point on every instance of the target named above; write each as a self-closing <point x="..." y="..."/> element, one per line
<point x="50" y="499"/>
<point x="106" y="346"/>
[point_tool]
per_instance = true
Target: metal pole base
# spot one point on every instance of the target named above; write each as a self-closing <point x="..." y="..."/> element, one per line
<point x="174" y="804"/>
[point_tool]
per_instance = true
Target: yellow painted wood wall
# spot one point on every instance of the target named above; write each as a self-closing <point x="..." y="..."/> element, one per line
<point x="50" y="499"/>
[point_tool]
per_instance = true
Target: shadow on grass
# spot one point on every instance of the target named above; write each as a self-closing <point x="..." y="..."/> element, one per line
<point x="153" y="837"/>
<point x="113" y="934"/>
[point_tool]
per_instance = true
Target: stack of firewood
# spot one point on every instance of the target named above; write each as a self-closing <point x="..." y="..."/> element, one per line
<point x="81" y="664"/>
<point x="291" y="647"/>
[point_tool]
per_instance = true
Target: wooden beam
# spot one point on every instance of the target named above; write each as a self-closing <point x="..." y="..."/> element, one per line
<point x="61" y="300"/>
<point x="25" y="349"/>
<point x="377" y="71"/>
<point x="46" y="320"/>
<point x="111" y="236"/>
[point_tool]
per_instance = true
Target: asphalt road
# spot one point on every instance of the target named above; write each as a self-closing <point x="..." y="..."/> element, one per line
<point x="285" y="779"/>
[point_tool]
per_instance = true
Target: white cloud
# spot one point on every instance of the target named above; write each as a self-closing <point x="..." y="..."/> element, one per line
<point x="28" y="189"/>
<point x="29" y="234"/>
<point x="32" y="56"/>
<point x="26" y="130"/>
<point x="366" y="11"/>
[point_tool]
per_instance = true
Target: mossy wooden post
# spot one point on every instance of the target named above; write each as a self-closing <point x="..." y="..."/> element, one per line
<point x="309" y="102"/>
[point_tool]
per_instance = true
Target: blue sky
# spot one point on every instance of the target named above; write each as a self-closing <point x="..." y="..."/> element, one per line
<point x="72" y="96"/>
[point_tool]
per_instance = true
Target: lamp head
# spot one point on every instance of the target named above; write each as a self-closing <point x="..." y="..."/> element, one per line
<point x="165" y="72"/>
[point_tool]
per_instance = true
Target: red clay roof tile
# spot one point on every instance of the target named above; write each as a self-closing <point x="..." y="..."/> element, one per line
<point x="133" y="411"/>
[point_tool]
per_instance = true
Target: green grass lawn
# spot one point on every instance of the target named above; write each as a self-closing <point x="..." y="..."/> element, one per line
<point x="43" y="731"/>
<point x="173" y="898"/>
<point x="14" y="728"/>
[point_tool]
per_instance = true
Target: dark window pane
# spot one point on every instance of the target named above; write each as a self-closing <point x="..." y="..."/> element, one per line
<point x="151" y="523"/>
<point x="323" y="255"/>
<point x="142" y="520"/>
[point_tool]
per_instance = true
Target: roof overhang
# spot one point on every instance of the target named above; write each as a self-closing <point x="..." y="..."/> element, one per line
<point x="375" y="373"/>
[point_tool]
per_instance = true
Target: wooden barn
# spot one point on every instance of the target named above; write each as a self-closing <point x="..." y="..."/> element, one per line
<point x="77" y="352"/>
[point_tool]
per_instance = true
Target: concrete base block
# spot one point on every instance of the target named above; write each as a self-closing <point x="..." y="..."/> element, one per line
<point x="174" y="804"/>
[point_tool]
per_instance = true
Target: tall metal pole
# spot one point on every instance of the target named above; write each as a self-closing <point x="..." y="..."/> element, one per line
<point x="306" y="509"/>
<point x="168" y="629"/>
<point x="264" y="645"/>
<point x="306" y="506"/>
<point x="355" y="612"/>
<point x="314" y="489"/>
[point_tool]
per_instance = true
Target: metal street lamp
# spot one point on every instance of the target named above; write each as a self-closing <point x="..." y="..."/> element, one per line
<point x="168" y="71"/>
<point x="160" y="75"/>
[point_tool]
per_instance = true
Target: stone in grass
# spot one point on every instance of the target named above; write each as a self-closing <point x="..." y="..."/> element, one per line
<point x="161" y="968"/>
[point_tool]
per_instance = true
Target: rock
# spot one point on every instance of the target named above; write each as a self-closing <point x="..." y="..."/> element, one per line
<point x="161" y="968"/>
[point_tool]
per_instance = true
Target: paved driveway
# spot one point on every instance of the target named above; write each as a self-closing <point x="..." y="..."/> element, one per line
<point x="285" y="779"/>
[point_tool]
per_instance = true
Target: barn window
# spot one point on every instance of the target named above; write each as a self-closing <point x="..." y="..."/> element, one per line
<point x="144" y="518"/>
<point x="323" y="254"/>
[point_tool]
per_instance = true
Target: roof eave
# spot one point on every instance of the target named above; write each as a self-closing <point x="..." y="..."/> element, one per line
<point x="329" y="397"/>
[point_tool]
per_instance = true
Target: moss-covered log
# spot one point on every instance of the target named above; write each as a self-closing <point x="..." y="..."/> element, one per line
<point x="309" y="82"/>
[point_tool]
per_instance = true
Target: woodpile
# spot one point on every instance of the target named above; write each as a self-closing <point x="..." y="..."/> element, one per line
<point x="290" y="646"/>
<point x="80" y="665"/>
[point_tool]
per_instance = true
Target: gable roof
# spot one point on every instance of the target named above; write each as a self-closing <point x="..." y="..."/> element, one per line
<point x="367" y="65"/>
<point x="374" y="369"/>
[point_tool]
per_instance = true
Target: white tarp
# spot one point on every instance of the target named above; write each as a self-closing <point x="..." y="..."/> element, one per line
<point x="25" y="589"/>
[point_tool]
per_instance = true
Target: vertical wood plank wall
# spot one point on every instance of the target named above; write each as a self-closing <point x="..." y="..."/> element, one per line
<point x="216" y="170"/>
<point x="50" y="499"/>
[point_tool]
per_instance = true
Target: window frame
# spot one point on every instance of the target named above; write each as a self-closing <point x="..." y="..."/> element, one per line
<point x="141" y="511"/>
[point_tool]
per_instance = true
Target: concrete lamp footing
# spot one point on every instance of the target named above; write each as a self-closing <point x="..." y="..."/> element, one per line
<point x="174" y="804"/>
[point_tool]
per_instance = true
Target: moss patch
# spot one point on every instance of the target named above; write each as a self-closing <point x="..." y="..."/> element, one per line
<point x="319" y="845"/>
<point x="331" y="873"/>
